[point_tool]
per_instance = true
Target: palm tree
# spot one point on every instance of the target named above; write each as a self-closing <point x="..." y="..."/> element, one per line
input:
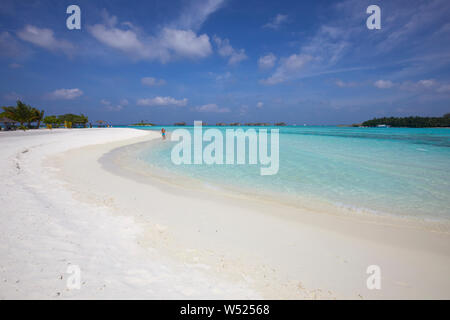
<point x="21" y="113"/>
<point x="38" y="116"/>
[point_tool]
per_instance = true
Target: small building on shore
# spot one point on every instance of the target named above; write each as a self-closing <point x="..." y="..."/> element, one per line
<point x="8" y="124"/>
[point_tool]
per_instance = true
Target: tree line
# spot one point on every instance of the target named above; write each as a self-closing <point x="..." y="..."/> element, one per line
<point x="26" y="115"/>
<point x="410" y="122"/>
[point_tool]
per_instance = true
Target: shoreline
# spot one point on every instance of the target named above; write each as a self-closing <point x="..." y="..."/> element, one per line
<point x="123" y="161"/>
<point x="205" y="247"/>
<point x="251" y="236"/>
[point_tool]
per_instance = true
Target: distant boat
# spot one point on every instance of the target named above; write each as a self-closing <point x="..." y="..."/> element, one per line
<point x="383" y="126"/>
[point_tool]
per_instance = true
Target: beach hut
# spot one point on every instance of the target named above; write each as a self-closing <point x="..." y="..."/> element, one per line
<point x="8" y="123"/>
<point x="101" y="123"/>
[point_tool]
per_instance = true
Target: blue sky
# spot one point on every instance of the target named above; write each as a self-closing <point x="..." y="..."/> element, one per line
<point x="311" y="62"/>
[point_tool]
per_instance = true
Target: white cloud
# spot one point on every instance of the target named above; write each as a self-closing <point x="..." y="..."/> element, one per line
<point x="443" y="88"/>
<point x="196" y="13"/>
<point x="416" y="86"/>
<point x="289" y="68"/>
<point x="343" y="84"/>
<point x="65" y="94"/>
<point x="324" y="50"/>
<point x="45" y="38"/>
<point x="226" y="50"/>
<point x="267" y="61"/>
<point x="185" y="43"/>
<point x="212" y="107"/>
<point x="222" y="77"/>
<point x="277" y="21"/>
<point x="427" y="83"/>
<point x="12" y="48"/>
<point x="109" y="106"/>
<point x="259" y="104"/>
<point x="167" y="45"/>
<point x="383" y="84"/>
<point x="151" y="82"/>
<point x="162" y="101"/>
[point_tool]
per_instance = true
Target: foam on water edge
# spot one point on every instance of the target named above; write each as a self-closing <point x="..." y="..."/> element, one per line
<point x="335" y="167"/>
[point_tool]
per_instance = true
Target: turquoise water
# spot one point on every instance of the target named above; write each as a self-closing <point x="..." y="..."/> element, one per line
<point x="396" y="171"/>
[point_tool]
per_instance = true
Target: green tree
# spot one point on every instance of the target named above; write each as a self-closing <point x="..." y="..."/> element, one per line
<point x="75" y="119"/>
<point x="53" y="120"/>
<point x="21" y="113"/>
<point x="38" y="116"/>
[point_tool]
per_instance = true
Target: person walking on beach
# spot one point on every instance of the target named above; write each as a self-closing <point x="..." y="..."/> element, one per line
<point x="163" y="133"/>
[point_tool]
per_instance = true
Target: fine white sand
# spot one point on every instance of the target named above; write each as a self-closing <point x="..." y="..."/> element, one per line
<point x="133" y="236"/>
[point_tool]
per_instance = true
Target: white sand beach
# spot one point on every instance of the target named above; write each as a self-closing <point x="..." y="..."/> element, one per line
<point x="63" y="202"/>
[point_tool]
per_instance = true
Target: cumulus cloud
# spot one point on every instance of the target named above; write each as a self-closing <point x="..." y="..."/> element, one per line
<point x="45" y="38"/>
<point x="259" y="104"/>
<point x="162" y="101"/>
<point x="212" y="107"/>
<point x="65" y="94"/>
<point x="267" y="61"/>
<point x="276" y="21"/>
<point x="166" y="45"/>
<point x="383" y="84"/>
<point x="151" y="82"/>
<point x="226" y="50"/>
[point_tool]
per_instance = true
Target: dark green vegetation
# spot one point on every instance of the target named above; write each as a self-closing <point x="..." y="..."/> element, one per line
<point x="410" y="122"/>
<point x="31" y="118"/>
<point x="23" y="114"/>
<point x="143" y="123"/>
<point x="75" y="120"/>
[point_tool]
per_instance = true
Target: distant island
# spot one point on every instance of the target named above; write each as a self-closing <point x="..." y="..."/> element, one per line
<point x="144" y="124"/>
<point x="409" y="122"/>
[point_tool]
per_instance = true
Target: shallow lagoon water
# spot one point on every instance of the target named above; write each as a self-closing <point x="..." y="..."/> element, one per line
<point x="403" y="172"/>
